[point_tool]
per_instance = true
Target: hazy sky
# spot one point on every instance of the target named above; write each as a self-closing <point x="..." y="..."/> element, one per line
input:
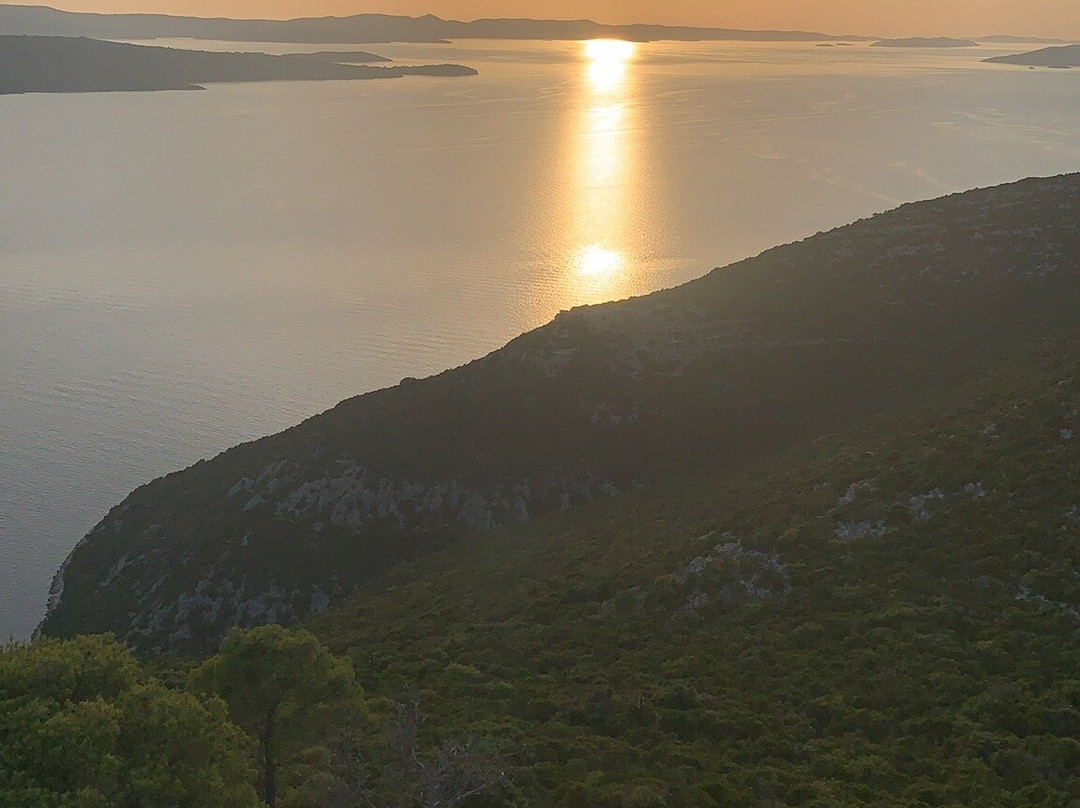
<point x="885" y="17"/>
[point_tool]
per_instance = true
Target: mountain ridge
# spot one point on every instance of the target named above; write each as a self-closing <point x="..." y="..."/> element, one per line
<point x="357" y="29"/>
<point x="876" y="317"/>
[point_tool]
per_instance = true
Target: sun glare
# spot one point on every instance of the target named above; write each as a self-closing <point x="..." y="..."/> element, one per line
<point x="608" y="62"/>
<point x="595" y="261"/>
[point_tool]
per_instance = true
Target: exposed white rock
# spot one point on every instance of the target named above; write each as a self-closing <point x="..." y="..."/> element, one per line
<point x="696" y="601"/>
<point x="853" y="531"/>
<point x="854" y="490"/>
<point x="1024" y="593"/>
<point x="749" y="564"/>
<point x="921" y="505"/>
<point x="697" y="566"/>
<point x="114" y="573"/>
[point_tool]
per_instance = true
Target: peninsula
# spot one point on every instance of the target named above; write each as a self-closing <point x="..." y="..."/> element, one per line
<point x="34" y="64"/>
<point x="1064" y="56"/>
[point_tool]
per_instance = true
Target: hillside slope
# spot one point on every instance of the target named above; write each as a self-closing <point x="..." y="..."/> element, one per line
<point x="869" y="620"/>
<point x="868" y="324"/>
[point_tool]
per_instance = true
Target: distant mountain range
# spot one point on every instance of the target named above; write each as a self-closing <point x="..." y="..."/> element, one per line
<point x="863" y="327"/>
<point x="33" y="64"/>
<point x="362" y="28"/>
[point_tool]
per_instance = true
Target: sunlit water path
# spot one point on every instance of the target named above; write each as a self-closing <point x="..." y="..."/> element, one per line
<point x="183" y="271"/>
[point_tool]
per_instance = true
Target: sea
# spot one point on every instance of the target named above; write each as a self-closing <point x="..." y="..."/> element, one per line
<point x="184" y="271"/>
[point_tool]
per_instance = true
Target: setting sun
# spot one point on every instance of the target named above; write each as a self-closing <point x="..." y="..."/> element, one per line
<point x="608" y="62"/>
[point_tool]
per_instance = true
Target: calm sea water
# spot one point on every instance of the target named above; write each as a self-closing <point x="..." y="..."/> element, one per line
<point x="183" y="271"/>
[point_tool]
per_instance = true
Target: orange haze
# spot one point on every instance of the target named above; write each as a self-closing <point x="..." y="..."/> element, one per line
<point x="1058" y="18"/>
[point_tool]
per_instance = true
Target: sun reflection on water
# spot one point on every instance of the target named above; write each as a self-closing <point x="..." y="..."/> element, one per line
<point x="605" y="158"/>
<point x="599" y="265"/>
<point x="599" y="262"/>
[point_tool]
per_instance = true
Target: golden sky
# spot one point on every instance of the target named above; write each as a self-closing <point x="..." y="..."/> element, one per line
<point x="1060" y="18"/>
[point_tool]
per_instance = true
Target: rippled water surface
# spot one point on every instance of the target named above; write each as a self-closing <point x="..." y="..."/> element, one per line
<point x="183" y="271"/>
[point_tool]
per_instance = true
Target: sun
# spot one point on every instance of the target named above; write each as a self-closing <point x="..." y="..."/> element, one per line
<point x="609" y="50"/>
<point x="608" y="62"/>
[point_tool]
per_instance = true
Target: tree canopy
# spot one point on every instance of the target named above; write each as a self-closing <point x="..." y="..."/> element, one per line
<point x="83" y="725"/>
<point x="276" y="683"/>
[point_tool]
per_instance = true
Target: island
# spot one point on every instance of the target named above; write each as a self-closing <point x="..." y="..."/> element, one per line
<point x="1004" y="39"/>
<point x="926" y="42"/>
<point x="34" y="64"/>
<point x="1060" y="57"/>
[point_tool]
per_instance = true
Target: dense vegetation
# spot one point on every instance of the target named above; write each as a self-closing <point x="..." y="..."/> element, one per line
<point x="83" y="725"/>
<point x="889" y="616"/>
<point x="877" y="621"/>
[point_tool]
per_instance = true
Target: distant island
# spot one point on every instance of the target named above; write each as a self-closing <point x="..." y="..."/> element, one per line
<point x="1060" y="57"/>
<point x="361" y="28"/>
<point x="1000" y="39"/>
<point x="30" y="64"/>
<point x="346" y="57"/>
<point x="926" y="42"/>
